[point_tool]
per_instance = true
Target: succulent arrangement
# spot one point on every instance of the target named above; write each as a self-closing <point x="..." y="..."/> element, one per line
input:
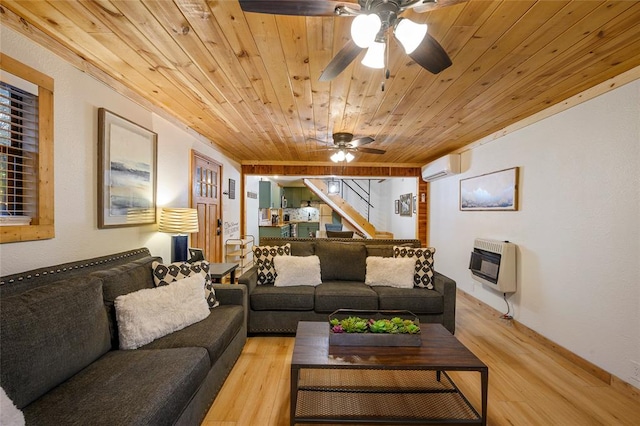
<point x="359" y="325"/>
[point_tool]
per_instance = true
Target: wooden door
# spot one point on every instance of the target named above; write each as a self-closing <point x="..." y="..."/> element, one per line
<point x="206" y="191"/>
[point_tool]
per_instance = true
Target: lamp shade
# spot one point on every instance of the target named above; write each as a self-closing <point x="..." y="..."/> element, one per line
<point x="410" y="34"/>
<point x="364" y="29"/>
<point x="374" y="58"/>
<point x="178" y="220"/>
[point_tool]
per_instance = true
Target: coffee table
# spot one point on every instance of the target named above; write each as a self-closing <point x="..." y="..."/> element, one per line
<point x="384" y="385"/>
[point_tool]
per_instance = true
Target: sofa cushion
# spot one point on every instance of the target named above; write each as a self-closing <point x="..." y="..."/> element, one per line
<point x="49" y="334"/>
<point x="390" y="271"/>
<point x="297" y="270"/>
<point x="424" y="263"/>
<point x="333" y="295"/>
<point x="263" y="256"/>
<point x="167" y="274"/>
<point x="123" y="279"/>
<point x="417" y="300"/>
<point x="150" y="313"/>
<point x="342" y="261"/>
<point x="302" y="248"/>
<point x="379" y="250"/>
<point x="145" y="387"/>
<point x="271" y="298"/>
<point x="214" y="333"/>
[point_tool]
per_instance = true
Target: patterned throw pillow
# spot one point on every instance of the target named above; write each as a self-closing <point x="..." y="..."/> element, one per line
<point x="424" y="264"/>
<point x="166" y="274"/>
<point x="263" y="256"/>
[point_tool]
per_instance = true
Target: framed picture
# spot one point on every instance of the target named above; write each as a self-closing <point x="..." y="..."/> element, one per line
<point x="491" y="191"/>
<point x="397" y="206"/>
<point x="127" y="157"/>
<point x="415" y="203"/>
<point x="405" y="204"/>
<point x="232" y="189"/>
<point x="195" y="255"/>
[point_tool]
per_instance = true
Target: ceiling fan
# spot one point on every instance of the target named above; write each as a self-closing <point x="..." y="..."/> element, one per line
<point x="344" y="143"/>
<point x="369" y="30"/>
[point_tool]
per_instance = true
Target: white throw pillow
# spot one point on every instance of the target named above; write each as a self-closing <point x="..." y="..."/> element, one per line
<point x="148" y="314"/>
<point x="297" y="270"/>
<point x="10" y="415"/>
<point x="390" y="271"/>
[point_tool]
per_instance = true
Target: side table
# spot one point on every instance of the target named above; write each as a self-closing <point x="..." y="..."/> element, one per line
<point x="219" y="270"/>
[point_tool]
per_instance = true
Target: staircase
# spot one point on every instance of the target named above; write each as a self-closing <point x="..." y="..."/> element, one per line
<point x="362" y="227"/>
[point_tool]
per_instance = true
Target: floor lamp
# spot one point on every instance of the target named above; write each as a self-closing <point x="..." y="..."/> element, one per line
<point x="179" y="221"/>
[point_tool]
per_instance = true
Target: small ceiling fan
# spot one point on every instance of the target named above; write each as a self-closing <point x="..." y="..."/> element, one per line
<point x="344" y="144"/>
<point x="373" y="21"/>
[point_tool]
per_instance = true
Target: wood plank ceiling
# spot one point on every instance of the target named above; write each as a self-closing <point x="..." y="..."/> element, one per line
<point x="249" y="82"/>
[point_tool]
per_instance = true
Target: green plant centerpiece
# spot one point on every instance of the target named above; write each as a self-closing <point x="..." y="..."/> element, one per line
<point x="351" y="327"/>
<point x="354" y="324"/>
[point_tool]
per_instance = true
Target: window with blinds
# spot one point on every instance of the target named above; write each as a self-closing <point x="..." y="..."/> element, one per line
<point x="18" y="153"/>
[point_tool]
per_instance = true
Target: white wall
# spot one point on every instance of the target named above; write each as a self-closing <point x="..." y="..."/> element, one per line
<point x="251" y="205"/>
<point x="577" y="229"/>
<point x="77" y="98"/>
<point x="405" y="227"/>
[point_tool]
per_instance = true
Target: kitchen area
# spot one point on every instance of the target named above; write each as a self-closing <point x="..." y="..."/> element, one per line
<point x="292" y="211"/>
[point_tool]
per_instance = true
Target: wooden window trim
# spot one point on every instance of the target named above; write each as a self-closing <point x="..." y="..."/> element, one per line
<point x="42" y="226"/>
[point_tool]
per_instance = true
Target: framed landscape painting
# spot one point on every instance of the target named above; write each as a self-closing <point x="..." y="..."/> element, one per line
<point x="491" y="191"/>
<point x="126" y="172"/>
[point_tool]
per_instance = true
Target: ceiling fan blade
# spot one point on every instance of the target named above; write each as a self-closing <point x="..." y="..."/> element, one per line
<point x="372" y="150"/>
<point x="341" y="61"/>
<point x="425" y="7"/>
<point x="361" y="141"/>
<point x="294" y="7"/>
<point x="431" y="56"/>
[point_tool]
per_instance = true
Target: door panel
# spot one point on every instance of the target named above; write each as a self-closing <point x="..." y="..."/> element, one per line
<point x="206" y="191"/>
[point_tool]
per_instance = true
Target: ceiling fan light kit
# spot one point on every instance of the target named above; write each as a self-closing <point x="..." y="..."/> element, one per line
<point x="372" y="21"/>
<point x="410" y="34"/>
<point x="341" y="155"/>
<point x="374" y="58"/>
<point x="364" y="29"/>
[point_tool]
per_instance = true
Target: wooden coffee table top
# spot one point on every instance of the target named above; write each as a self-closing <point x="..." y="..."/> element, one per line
<point x="440" y="350"/>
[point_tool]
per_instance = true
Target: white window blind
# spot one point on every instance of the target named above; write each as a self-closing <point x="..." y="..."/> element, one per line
<point x="18" y="151"/>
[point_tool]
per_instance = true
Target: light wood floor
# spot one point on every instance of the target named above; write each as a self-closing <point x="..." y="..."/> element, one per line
<point x="529" y="384"/>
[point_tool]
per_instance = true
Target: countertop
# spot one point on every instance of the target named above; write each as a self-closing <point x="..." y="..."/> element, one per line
<point x="303" y="221"/>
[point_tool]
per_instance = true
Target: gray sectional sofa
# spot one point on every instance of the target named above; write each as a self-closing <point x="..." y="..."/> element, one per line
<point x="59" y="357"/>
<point x="343" y="267"/>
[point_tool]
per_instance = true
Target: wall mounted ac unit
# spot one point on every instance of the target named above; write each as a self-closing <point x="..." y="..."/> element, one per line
<point x="442" y="167"/>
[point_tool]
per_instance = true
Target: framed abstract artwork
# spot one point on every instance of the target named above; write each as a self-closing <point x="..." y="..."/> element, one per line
<point x="127" y="157"/>
<point x="491" y="191"/>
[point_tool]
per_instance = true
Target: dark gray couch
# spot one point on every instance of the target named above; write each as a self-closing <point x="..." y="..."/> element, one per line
<point x="59" y="357"/>
<point x="278" y="309"/>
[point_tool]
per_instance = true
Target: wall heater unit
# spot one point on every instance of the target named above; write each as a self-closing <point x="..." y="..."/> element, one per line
<point x="494" y="263"/>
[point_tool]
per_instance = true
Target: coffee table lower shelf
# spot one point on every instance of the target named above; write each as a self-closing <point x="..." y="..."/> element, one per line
<point x="381" y="396"/>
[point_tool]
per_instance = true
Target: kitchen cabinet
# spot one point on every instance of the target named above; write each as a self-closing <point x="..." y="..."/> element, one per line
<point x="306" y="229"/>
<point x="264" y="194"/>
<point x="297" y="196"/>
<point x="269" y="195"/>
<point x="274" y="231"/>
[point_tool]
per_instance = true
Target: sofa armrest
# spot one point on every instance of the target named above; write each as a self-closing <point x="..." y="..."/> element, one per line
<point x="447" y="287"/>
<point x="233" y="294"/>
<point x="249" y="278"/>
